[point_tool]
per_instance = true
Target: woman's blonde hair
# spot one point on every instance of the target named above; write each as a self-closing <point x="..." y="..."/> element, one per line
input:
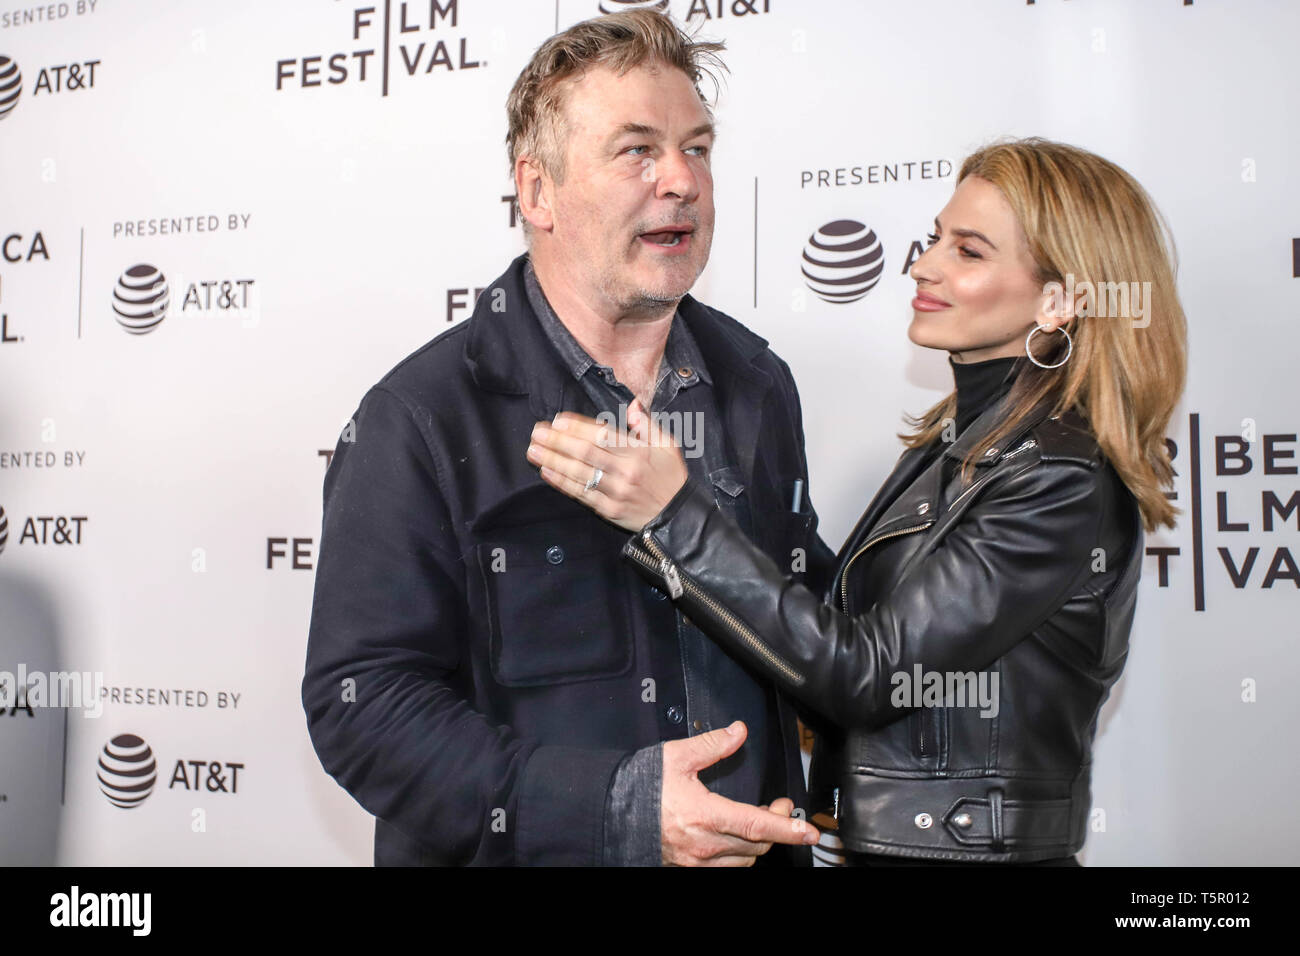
<point x="1089" y="223"/>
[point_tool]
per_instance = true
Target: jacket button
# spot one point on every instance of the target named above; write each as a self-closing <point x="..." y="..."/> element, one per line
<point x="990" y="453"/>
<point x="923" y="507"/>
<point x="656" y="593"/>
<point x="924" y="821"/>
<point x="675" y="714"/>
<point x="698" y="724"/>
<point x="555" y="554"/>
<point x="963" y="820"/>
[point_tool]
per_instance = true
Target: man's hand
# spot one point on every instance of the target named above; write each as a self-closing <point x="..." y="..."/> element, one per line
<point x="699" y="828"/>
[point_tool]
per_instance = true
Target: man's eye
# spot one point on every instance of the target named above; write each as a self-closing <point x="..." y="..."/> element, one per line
<point x="633" y="150"/>
<point x="699" y="150"/>
<point x="932" y="239"/>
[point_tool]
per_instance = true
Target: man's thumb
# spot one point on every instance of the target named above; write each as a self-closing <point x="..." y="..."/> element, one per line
<point x="707" y="749"/>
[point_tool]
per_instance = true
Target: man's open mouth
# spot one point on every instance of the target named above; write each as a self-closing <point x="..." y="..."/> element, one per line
<point x="672" y="236"/>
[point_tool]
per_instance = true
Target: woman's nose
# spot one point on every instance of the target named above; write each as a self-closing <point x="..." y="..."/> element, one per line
<point x="921" y="270"/>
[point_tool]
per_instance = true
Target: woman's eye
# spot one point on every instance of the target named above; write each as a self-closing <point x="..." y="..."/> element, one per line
<point x="932" y="239"/>
<point x="970" y="253"/>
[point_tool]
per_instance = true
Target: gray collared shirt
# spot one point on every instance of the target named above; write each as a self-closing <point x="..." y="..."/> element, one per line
<point x="718" y="690"/>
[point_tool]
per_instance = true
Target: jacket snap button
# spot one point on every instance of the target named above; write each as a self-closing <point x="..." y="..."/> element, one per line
<point x="963" y="820"/>
<point x="990" y="453"/>
<point x="555" y="554"/>
<point x="923" y="507"/>
<point x="924" y="821"/>
<point x="675" y="714"/>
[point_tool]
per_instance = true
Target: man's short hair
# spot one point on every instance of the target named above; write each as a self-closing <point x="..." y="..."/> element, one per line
<point x="619" y="41"/>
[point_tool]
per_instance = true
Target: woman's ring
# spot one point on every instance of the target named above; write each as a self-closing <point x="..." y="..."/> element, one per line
<point x="596" y="475"/>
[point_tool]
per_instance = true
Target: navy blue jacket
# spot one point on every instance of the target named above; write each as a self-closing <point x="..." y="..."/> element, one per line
<point x="478" y="642"/>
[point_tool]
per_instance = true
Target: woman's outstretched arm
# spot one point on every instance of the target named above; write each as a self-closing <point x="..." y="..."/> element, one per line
<point x="1016" y="555"/>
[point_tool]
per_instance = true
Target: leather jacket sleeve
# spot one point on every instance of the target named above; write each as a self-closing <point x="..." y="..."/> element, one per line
<point x="1016" y="554"/>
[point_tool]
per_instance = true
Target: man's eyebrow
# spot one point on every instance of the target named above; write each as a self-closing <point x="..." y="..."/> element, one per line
<point x="967" y="234"/>
<point x="641" y="129"/>
<point x="635" y="129"/>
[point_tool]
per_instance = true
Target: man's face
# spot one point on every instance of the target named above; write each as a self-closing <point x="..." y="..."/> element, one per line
<point x="633" y="219"/>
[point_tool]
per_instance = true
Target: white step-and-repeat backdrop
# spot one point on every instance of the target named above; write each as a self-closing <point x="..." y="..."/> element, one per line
<point x="308" y="190"/>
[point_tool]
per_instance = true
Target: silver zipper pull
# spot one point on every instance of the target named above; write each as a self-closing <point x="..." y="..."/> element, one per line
<point x="674" y="580"/>
<point x="837" y="803"/>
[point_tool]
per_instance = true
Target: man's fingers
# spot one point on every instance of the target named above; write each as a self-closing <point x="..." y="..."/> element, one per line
<point x="760" y="826"/>
<point x="709" y="846"/>
<point x="784" y="807"/>
<point x="705" y="750"/>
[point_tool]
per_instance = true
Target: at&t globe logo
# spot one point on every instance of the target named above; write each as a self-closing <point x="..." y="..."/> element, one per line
<point x="127" y="771"/>
<point x="11" y="85"/>
<point x="141" y="299"/>
<point x="843" y="261"/>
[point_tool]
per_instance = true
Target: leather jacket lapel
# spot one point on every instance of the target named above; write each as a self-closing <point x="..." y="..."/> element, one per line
<point x="912" y="494"/>
<point x="905" y="471"/>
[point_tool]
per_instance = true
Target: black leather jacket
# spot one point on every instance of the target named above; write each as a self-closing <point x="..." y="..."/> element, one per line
<point x="1028" y="574"/>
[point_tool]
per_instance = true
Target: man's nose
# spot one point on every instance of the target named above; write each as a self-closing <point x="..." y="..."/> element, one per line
<point x="675" y="176"/>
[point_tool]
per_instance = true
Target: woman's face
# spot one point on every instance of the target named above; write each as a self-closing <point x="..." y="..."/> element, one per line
<point x="976" y="292"/>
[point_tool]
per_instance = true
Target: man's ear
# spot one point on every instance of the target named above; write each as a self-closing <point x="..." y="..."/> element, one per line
<point x="534" y="188"/>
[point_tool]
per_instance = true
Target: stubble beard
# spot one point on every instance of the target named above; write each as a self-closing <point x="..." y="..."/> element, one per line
<point x="645" y="301"/>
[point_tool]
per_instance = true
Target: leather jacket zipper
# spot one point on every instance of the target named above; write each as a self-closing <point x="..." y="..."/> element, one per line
<point x="844" y="578"/>
<point x="678" y="584"/>
<point x="1025" y="446"/>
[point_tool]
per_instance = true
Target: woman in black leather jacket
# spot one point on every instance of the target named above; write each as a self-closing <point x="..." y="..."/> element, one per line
<point x="980" y="611"/>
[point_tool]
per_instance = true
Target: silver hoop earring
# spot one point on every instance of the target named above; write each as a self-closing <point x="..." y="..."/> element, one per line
<point x="1069" y="349"/>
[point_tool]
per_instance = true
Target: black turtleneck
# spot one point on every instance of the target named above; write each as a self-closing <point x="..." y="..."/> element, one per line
<point x="980" y="384"/>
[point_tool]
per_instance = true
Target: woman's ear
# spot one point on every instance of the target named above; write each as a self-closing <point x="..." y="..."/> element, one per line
<point x="1055" y="308"/>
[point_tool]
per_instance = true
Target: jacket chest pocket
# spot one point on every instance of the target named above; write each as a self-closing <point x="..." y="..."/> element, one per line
<point x="558" y="601"/>
<point x="781" y="532"/>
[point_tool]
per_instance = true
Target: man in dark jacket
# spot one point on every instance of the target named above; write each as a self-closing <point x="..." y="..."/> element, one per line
<point x="486" y="673"/>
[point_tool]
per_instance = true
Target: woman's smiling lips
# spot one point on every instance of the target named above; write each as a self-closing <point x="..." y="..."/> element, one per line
<point x="924" y="302"/>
